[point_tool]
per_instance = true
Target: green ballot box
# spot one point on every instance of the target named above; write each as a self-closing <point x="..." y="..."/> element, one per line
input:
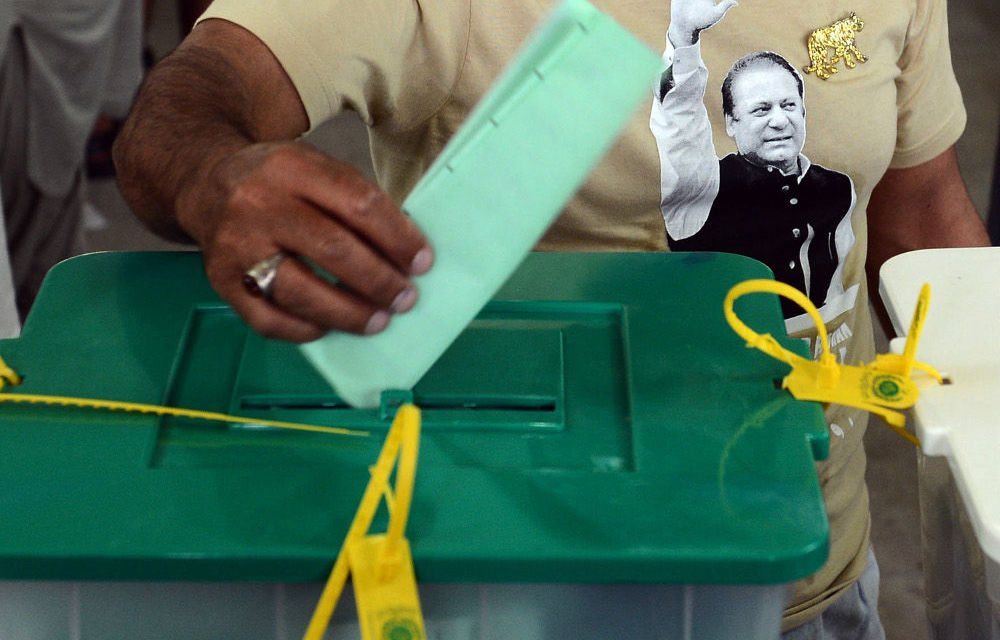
<point x="601" y="457"/>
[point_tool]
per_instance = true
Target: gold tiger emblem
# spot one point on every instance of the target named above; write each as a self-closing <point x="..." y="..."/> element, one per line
<point x="839" y="37"/>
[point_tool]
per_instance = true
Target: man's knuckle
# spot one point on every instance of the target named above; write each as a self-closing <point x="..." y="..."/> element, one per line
<point x="227" y="236"/>
<point x="369" y="201"/>
<point x="335" y="246"/>
<point x="247" y="194"/>
<point x="385" y="283"/>
<point x="284" y="159"/>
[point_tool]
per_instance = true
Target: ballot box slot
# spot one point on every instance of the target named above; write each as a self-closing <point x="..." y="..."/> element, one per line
<point x="426" y="403"/>
<point x="531" y="384"/>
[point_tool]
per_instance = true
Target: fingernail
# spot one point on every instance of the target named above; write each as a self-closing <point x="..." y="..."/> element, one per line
<point x="378" y="322"/>
<point x="422" y="261"/>
<point x="404" y="301"/>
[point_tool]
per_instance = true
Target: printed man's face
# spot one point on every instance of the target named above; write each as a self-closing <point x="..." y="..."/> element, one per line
<point x="768" y="121"/>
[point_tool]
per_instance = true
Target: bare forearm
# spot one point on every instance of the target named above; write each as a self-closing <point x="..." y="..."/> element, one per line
<point x="210" y="154"/>
<point x="176" y="127"/>
<point x="196" y="107"/>
<point x="922" y="207"/>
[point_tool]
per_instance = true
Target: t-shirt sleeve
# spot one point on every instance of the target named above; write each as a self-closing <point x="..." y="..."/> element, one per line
<point x="388" y="60"/>
<point x="931" y="115"/>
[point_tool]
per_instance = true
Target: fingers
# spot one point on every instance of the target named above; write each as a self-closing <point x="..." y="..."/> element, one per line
<point x="369" y="246"/>
<point x="299" y="291"/>
<point x="367" y="211"/>
<point x="688" y="18"/>
<point x="294" y="199"/>
<point x="299" y="305"/>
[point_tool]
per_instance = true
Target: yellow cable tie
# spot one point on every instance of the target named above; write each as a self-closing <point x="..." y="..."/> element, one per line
<point x="400" y="448"/>
<point x="881" y="387"/>
<point x="403" y="434"/>
<point x="112" y="405"/>
<point x="8" y="375"/>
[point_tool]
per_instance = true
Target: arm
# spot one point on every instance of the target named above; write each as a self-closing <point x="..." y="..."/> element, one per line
<point x="688" y="18"/>
<point x="209" y="154"/>
<point x="689" y="169"/>
<point x="10" y="323"/>
<point x="843" y="242"/>
<point x="921" y="207"/>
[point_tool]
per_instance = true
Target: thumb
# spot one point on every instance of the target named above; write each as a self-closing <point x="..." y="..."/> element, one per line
<point x="723" y="7"/>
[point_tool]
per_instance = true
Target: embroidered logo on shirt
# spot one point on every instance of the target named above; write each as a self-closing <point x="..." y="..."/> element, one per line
<point x="829" y="45"/>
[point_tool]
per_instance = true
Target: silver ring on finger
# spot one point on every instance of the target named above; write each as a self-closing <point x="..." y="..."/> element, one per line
<point x="259" y="279"/>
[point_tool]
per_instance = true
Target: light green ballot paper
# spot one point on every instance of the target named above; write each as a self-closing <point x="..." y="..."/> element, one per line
<point x="496" y="187"/>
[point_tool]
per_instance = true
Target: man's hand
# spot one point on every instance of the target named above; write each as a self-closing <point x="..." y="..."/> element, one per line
<point x="688" y="18"/>
<point x="209" y="154"/>
<point x="287" y="196"/>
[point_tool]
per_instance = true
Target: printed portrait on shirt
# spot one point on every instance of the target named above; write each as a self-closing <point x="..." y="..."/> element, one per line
<point x="767" y="200"/>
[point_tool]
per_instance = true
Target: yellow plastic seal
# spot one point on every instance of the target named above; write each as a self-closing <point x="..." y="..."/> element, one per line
<point x="384" y="583"/>
<point x="9" y="376"/>
<point x="385" y="588"/>
<point x="883" y="387"/>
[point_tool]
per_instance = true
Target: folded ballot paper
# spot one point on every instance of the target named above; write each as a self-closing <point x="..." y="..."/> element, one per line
<point x="496" y="187"/>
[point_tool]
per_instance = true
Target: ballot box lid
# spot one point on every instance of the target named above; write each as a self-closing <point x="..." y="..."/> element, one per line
<point x="598" y="421"/>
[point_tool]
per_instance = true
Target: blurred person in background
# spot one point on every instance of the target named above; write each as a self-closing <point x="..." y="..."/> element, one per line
<point x="61" y="64"/>
<point x="10" y="326"/>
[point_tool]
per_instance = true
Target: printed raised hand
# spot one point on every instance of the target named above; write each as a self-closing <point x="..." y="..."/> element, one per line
<point x="688" y="18"/>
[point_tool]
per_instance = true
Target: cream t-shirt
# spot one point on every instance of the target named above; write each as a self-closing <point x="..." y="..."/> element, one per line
<point x="413" y="70"/>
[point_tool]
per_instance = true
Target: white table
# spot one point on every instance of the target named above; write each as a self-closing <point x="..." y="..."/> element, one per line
<point x="957" y="422"/>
